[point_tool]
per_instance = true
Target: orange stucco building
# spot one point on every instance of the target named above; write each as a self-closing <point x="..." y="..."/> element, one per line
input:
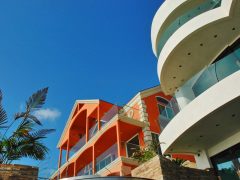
<point x="100" y="137"/>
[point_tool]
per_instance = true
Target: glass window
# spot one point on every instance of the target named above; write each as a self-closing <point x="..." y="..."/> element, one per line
<point x="132" y="146"/>
<point x="227" y="163"/>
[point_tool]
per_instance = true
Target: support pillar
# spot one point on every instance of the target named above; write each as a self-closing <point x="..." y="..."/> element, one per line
<point x="75" y="169"/>
<point x="202" y="160"/>
<point x="60" y="158"/>
<point x="98" y="117"/>
<point x="68" y="148"/>
<point x="93" y="160"/>
<point x="87" y="129"/>
<point x="118" y="139"/>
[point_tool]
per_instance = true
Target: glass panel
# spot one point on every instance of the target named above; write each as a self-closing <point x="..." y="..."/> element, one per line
<point x="132" y="146"/>
<point x="177" y="23"/>
<point x="87" y="170"/>
<point x="106" y="158"/>
<point x="227" y="163"/>
<point x="79" y="144"/>
<point x="205" y="81"/>
<point x="226" y="64"/>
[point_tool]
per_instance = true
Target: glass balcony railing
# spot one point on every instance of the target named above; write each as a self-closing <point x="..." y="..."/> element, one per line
<point x="109" y="115"/>
<point x="78" y="145"/>
<point x="106" y="158"/>
<point x="123" y="111"/>
<point x="208" y="77"/>
<point x="87" y="170"/>
<point x="93" y="130"/>
<point x="177" y="23"/>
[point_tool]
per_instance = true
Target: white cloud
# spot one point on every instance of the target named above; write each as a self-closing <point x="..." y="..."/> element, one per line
<point x="47" y="114"/>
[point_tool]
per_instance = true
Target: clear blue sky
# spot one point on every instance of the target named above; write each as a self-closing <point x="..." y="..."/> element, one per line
<point x="80" y="49"/>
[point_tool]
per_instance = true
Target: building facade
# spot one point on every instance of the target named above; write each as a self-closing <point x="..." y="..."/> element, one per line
<point x="100" y="137"/>
<point x="197" y="44"/>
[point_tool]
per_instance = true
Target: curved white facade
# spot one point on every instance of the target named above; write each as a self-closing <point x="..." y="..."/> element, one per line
<point x="183" y="132"/>
<point x="199" y="63"/>
<point x="198" y="41"/>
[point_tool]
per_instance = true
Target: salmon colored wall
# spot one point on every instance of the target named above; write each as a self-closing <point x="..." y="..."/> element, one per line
<point x="141" y="139"/>
<point x="152" y="110"/>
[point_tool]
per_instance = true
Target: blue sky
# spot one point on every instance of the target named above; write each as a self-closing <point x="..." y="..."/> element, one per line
<point x="80" y="49"/>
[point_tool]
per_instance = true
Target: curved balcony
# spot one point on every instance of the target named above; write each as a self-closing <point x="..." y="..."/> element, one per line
<point x="196" y="42"/>
<point x="217" y="109"/>
<point x="181" y="20"/>
<point x="226" y="64"/>
<point x="209" y="100"/>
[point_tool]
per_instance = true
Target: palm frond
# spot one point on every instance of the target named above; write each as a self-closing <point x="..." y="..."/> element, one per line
<point x="0" y="95"/>
<point x="27" y="115"/>
<point x="41" y="133"/>
<point x="34" y="118"/>
<point x="24" y="128"/>
<point x="20" y="115"/>
<point x="37" y="100"/>
<point x="32" y="148"/>
<point x="3" y="114"/>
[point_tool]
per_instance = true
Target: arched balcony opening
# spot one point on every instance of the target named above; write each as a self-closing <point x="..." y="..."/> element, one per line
<point x="106" y="148"/>
<point x="77" y="132"/>
<point x="84" y="163"/>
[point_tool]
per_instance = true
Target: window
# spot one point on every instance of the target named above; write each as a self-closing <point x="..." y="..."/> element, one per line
<point x="156" y="143"/>
<point x="132" y="145"/>
<point x="166" y="108"/>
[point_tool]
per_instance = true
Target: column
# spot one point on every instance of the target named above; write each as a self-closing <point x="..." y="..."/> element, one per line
<point x="60" y="158"/>
<point x="68" y="148"/>
<point x="118" y="139"/>
<point x="87" y="129"/>
<point x="202" y="160"/>
<point x="93" y="160"/>
<point x="75" y="169"/>
<point x="98" y="117"/>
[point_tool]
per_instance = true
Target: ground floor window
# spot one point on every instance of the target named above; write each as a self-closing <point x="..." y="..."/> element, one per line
<point x="227" y="163"/>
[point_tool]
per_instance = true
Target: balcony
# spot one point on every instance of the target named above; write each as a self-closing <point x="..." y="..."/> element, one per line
<point x="107" y="157"/>
<point x="125" y="111"/>
<point x="87" y="170"/>
<point x="202" y="81"/>
<point x="78" y="145"/>
<point x="181" y="20"/>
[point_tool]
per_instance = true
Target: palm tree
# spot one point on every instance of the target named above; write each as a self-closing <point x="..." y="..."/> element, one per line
<point x="25" y="140"/>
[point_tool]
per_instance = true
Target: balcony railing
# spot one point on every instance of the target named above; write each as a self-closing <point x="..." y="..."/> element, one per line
<point x="78" y="145"/>
<point x="87" y="170"/>
<point x="211" y="75"/>
<point x="93" y="130"/>
<point x="177" y="23"/>
<point x="106" y="158"/>
<point x="124" y="111"/>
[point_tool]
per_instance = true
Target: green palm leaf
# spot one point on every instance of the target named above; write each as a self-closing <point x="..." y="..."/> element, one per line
<point x="41" y="133"/>
<point x="3" y="114"/>
<point x="37" y="100"/>
<point x="26" y="116"/>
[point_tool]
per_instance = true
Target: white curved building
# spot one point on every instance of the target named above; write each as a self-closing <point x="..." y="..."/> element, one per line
<point x="197" y="44"/>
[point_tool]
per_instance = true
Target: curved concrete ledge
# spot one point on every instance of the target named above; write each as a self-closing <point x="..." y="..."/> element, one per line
<point x="207" y="110"/>
<point x="197" y="43"/>
<point x="160" y="17"/>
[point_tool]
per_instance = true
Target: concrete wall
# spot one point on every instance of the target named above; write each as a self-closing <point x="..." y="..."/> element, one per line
<point x="164" y="169"/>
<point x="18" y="172"/>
